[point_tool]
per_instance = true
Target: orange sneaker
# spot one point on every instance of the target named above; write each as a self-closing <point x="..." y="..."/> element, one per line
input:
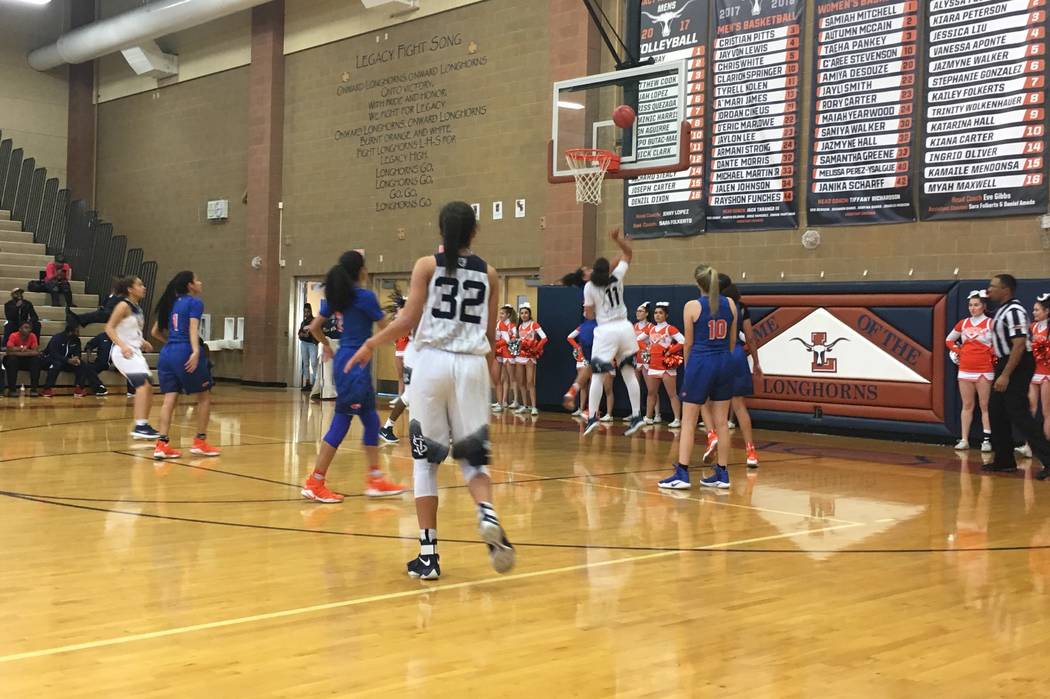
<point x="202" y="448"/>
<point x="752" y="456"/>
<point x="317" y="491"/>
<point x="164" y="451"/>
<point x="379" y="486"/>
<point x="712" y="447"/>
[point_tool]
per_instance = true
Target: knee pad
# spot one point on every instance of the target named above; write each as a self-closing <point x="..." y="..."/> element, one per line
<point x="471" y="472"/>
<point x="337" y="432"/>
<point x="370" y="421"/>
<point x="474" y="448"/>
<point x="424" y="480"/>
<point x="600" y="367"/>
<point x="424" y="448"/>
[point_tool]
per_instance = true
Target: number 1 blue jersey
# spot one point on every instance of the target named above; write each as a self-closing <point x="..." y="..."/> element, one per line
<point x="456" y="313"/>
<point x="711" y="334"/>
<point x="184" y="308"/>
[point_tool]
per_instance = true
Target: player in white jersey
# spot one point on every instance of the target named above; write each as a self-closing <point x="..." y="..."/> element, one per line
<point x="615" y="341"/>
<point x="125" y="330"/>
<point x="452" y="307"/>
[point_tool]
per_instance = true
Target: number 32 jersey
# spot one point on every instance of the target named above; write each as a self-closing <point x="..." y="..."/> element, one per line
<point x="456" y="314"/>
<point x="607" y="301"/>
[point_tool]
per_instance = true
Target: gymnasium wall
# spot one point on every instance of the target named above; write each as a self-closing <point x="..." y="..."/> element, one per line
<point x="161" y="156"/>
<point x="226" y="43"/>
<point x="33" y="105"/>
<point x="460" y="119"/>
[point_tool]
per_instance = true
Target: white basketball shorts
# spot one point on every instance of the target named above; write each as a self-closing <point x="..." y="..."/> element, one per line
<point x="450" y="393"/>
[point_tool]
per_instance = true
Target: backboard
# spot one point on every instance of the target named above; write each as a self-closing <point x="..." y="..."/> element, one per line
<point x="658" y="141"/>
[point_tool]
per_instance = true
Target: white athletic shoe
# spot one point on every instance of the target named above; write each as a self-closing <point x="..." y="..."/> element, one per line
<point x="535" y="411"/>
<point x="962" y="445"/>
<point x="606" y="418"/>
<point x="577" y="413"/>
<point x="648" y="421"/>
<point x="986" y="446"/>
<point x="732" y="425"/>
<point x="522" y="409"/>
<point x="513" y="406"/>
<point x="657" y="420"/>
<point x="1024" y="450"/>
<point x="497" y="408"/>
<point x="674" y="423"/>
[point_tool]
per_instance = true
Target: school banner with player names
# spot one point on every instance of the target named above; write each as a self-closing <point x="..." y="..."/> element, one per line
<point x="670" y="204"/>
<point x="754" y="134"/>
<point x="984" y="136"/>
<point x="864" y="98"/>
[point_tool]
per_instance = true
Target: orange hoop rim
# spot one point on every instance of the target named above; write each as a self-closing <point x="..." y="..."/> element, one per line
<point x="603" y="158"/>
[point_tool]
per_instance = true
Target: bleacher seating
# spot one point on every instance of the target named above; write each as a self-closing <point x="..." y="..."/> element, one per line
<point x="53" y="224"/>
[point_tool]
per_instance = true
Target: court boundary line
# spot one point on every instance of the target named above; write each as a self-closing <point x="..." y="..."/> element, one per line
<point x="357" y="601"/>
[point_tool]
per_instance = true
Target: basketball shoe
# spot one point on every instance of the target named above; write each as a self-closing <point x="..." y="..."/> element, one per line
<point x="317" y="491"/>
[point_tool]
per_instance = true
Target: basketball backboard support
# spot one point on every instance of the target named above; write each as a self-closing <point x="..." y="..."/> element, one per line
<point x="658" y="141"/>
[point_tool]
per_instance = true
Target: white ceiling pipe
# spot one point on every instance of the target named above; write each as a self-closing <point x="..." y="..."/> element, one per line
<point x="132" y="28"/>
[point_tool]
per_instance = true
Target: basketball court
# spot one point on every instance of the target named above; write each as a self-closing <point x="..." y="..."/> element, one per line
<point x="841" y="566"/>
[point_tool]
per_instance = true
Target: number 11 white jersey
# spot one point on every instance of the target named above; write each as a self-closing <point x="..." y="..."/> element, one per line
<point x="456" y="314"/>
<point x="607" y="301"/>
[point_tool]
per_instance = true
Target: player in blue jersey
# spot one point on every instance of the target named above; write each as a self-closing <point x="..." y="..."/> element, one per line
<point x="710" y="337"/>
<point x="347" y="299"/>
<point x="181" y="367"/>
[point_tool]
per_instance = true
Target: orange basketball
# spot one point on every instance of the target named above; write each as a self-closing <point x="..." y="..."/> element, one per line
<point x="623" y="116"/>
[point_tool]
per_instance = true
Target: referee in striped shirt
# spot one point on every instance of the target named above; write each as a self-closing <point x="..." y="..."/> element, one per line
<point x="1014" y="366"/>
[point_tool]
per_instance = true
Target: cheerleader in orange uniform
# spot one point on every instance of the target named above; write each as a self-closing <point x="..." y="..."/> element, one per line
<point x="1039" y="391"/>
<point x="970" y="345"/>
<point x="665" y="354"/>
<point x="532" y="339"/>
<point x="642" y="326"/>
<point x="506" y="380"/>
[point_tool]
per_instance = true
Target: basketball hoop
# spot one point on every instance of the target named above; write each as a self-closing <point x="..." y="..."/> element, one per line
<point x="588" y="166"/>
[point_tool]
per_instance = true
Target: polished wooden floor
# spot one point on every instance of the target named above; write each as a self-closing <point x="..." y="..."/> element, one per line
<point x="840" y="568"/>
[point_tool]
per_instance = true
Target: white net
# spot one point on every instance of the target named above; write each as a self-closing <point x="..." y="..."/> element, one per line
<point x="589" y="166"/>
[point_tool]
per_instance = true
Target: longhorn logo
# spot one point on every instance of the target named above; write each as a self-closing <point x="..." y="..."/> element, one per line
<point x="756" y="9"/>
<point x="821" y="348"/>
<point x="665" y="18"/>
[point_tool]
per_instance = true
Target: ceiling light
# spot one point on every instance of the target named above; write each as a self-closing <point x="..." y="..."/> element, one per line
<point x="32" y="2"/>
<point x="569" y="105"/>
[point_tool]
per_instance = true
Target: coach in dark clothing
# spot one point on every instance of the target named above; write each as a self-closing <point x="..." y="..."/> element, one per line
<point x="18" y="311"/>
<point x="1014" y="366"/>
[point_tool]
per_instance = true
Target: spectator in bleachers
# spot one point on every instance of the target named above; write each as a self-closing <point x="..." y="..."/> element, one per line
<point x="56" y="277"/>
<point x="64" y="353"/>
<point x="23" y="354"/>
<point x="97" y="316"/>
<point x="18" y="311"/>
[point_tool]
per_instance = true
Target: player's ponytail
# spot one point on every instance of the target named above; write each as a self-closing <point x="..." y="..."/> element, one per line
<point x="600" y="273"/>
<point x="341" y="281"/>
<point x="458" y="225"/>
<point x="178" y="286"/>
<point x="706" y="278"/>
